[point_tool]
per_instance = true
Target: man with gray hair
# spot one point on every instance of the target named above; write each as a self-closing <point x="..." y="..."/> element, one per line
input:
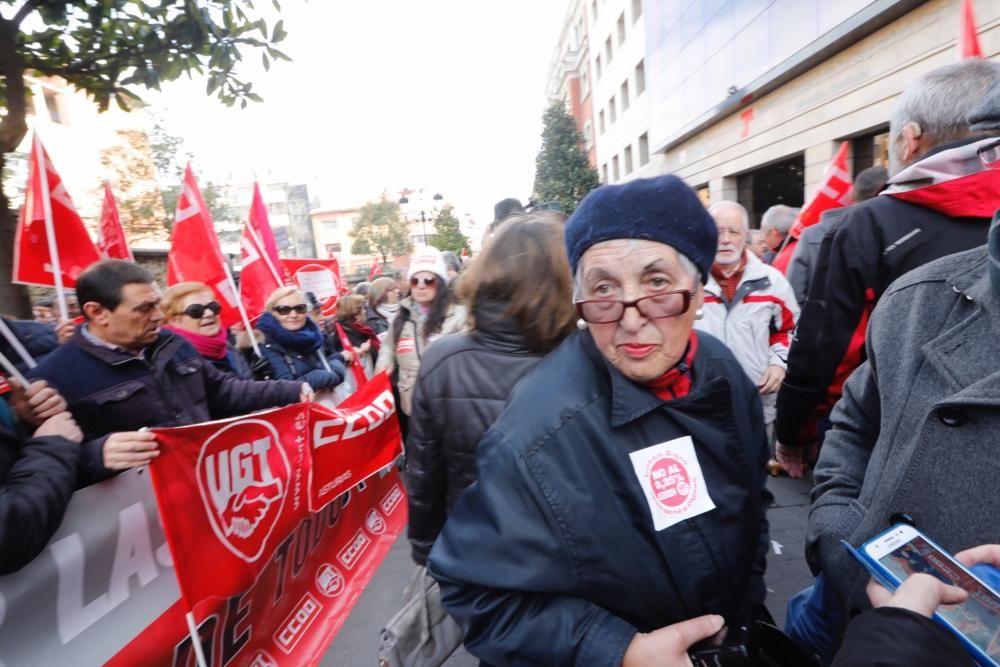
<point x="879" y="453"/>
<point x="775" y="225"/>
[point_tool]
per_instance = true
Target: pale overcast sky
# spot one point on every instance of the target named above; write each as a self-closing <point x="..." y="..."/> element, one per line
<point x="439" y="94"/>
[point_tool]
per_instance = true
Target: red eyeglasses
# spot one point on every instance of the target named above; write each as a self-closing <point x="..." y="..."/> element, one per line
<point x="654" y="307"/>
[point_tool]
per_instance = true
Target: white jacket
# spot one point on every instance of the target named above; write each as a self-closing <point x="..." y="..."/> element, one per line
<point x="757" y="324"/>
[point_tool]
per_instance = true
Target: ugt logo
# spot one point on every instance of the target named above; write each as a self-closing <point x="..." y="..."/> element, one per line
<point x="243" y="485"/>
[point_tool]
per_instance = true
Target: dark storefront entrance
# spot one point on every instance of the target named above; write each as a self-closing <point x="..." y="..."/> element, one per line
<point x="777" y="183"/>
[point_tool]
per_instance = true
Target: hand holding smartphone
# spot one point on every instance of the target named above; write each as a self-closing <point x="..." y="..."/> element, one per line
<point x="902" y="551"/>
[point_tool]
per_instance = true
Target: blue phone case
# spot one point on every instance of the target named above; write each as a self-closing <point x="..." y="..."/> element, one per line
<point x="887" y="579"/>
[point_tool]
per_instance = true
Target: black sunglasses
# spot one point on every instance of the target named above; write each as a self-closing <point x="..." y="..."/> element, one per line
<point x="427" y="281"/>
<point x="299" y="308"/>
<point x="197" y="310"/>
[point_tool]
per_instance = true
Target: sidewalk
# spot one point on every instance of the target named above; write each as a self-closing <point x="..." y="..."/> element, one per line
<point x="787" y="573"/>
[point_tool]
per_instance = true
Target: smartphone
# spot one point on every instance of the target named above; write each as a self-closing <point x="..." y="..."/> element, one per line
<point x="903" y="550"/>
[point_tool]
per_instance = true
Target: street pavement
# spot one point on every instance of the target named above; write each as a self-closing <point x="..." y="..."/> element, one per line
<point x="357" y="643"/>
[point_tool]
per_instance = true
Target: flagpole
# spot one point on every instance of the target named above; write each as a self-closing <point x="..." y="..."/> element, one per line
<point x="50" y="231"/>
<point x="195" y="640"/>
<point x="243" y="311"/>
<point x="16" y="344"/>
<point x="12" y="370"/>
<point x="263" y="253"/>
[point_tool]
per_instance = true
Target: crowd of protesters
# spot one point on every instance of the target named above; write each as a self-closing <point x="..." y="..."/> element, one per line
<point x="591" y="407"/>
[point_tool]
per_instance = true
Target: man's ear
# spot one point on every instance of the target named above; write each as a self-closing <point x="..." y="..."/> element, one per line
<point x="95" y="313"/>
<point x="912" y="146"/>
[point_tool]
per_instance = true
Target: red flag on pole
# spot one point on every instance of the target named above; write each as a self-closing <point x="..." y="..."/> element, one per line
<point x="834" y="191"/>
<point x="261" y="227"/>
<point x="968" y="38"/>
<point x="360" y="377"/>
<point x="375" y="271"/>
<point x="110" y="235"/>
<point x="52" y="246"/>
<point x="194" y="250"/>
<point x="257" y="279"/>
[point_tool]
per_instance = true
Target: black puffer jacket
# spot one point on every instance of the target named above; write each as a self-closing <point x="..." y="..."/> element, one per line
<point x="462" y="388"/>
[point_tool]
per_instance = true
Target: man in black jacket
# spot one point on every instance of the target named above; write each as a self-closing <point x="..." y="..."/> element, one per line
<point x="121" y="374"/>
<point x="37" y="473"/>
<point x="939" y="202"/>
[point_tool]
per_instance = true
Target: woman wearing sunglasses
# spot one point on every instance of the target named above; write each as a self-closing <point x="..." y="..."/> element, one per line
<point x="192" y="312"/>
<point x="423" y="317"/>
<point x="294" y="346"/>
<point x="618" y="515"/>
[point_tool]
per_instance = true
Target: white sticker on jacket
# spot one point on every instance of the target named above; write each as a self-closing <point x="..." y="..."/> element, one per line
<point x="671" y="478"/>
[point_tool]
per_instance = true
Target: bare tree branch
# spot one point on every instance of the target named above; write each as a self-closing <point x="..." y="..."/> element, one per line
<point x="28" y="7"/>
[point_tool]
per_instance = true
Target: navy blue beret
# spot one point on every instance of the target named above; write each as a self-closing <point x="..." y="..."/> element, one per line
<point x="660" y="209"/>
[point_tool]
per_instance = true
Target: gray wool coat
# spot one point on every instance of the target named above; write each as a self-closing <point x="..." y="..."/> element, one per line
<point x="918" y="427"/>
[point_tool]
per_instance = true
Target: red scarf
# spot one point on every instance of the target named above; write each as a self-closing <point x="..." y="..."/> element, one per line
<point x="210" y="347"/>
<point x="368" y="333"/>
<point x="676" y="383"/>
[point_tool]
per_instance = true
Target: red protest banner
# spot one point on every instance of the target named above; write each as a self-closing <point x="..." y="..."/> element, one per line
<point x="302" y="598"/>
<point x="194" y="250"/>
<point x="319" y="276"/>
<point x="367" y="416"/>
<point x="228" y="493"/>
<point x="37" y="257"/>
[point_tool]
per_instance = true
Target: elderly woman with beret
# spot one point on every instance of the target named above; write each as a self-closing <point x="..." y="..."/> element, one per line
<point x="619" y="513"/>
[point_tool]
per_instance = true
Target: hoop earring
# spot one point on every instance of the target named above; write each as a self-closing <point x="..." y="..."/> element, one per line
<point x="698" y="314"/>
<point x="581" y="324"/>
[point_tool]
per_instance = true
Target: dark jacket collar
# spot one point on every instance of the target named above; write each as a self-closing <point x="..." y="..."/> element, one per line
<point x="497" y="331"/>
<point x="114" y="357"/>
<point x="632" y="400"/>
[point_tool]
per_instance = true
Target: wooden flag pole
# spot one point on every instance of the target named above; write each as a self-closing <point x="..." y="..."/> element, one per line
<point x="50" y="232"/>
<point x="16" y="344"/>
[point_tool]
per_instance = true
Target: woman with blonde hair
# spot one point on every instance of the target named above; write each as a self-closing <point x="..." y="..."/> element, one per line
<point x="192" y="312"/>
<point x="519" y="294"/>
<point x="293" y="343"/>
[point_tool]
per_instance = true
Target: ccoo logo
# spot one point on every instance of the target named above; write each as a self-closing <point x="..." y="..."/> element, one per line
<point x="243" y="485"/>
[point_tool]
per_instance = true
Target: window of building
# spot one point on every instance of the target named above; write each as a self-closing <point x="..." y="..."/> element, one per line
<point x="604" y="172"/>
<point x="643" y="150"/>
<point x="612" y="112"/>
<point x="278" y="208"/>
<point x="640" y="78"/>
<point x="584" y="86"/>
<point x="636" y="10"/>
<point x="588" y="135"/>
<point x="615" y="171"/>
<point x="628" y="159"/>
<point x="600" y="121"/>
<point x="330" y="226"/>
<point x="597" y="65"/>
<point x="332" y="250"/>
<point x="621" y="29"/>
<point x="624" y="95"/>
<point x="607" y="49"/>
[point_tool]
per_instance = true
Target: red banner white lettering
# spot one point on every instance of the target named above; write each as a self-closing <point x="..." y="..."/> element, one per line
<point x="319" y="276"/>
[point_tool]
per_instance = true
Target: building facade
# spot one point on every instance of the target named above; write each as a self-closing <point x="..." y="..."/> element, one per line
<point x="570" y="77"/>
<point x="749" y="100"/>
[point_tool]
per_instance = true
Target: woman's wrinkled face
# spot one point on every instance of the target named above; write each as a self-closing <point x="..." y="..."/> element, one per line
<point x="424" y="287"/>
<point x="641" y="349"/>
<point x="206" y="325"/>
<point x="291" y="311"/>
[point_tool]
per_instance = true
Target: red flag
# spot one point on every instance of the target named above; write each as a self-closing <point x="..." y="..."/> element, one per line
<point x="376" y="270"/>
<point x="32" y="255"/>
<point x="319" y="276"/>
<point x="229" y="492"/>
<point x="834" y="191"/>
<point x="261" y="226"/>
<point x="194" y="249"/>
<point x="968" y="38"/>
<point x="110" y="235"/>
<point x="257" y="281"/>
<point x="359" y="372"/>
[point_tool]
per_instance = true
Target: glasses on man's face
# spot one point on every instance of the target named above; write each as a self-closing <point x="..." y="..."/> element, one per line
<point x="299" y="308"/>
<point x="990" y="155"/>
<point x="430" y="281"/>
<point x="197" y="310"/>
<point x="654" y="307"/>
